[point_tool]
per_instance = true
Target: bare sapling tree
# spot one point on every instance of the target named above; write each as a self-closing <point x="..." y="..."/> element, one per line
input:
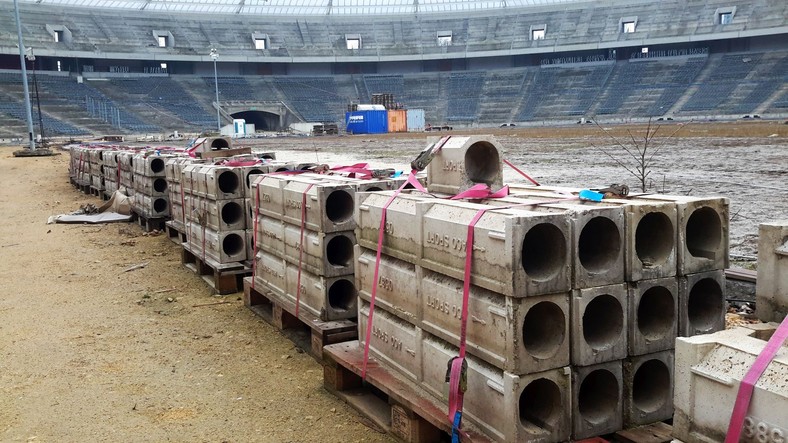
<point x="639" y="158"/>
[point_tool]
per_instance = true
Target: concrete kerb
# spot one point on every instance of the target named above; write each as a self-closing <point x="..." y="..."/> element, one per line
<point x="463" y="162"/>
<point x="328" y="298"/>
<point x="653" y="315"/>
<point x="709" y="369"/>
<point x="599" y="324"/>
<point x="394" y="341"/>
<point x="221" y="247"/>
<point x="772" y="285"/>
<point x="648" y="388"/>
<point x="397" y="285"/>
<point x="597" y="394"/>
<point x="701" y="303"/>
<point x="508" y="407"/>
<point x="329" y="206"/>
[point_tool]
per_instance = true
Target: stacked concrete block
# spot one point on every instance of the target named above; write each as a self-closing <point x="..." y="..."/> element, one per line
<point x="126" y="171"/>
<point x="709" y="372"/>
<point x="149" y="181"/>
<point x="593" y="293"/>
<point x="213" y="205"/>
<point x="110" y="171"/>
<point x="772" y="285"/>
<point x="305" y="234"/>
<point x="173" y="173"/>
<point x="95" y="157"/>
<point x="79" y="165"/>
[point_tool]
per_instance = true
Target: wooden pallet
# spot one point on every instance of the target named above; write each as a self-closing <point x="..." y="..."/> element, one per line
<point x="174" y="233"/>
<point x="149" y="224"/>
<point x="96" y="192"/>
<point x="223" y="278"/>
<point x="393" y="403"/>
<point x="281" y="314"/>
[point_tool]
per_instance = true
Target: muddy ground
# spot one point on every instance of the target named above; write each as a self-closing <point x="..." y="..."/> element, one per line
<point x="89" y="352"/>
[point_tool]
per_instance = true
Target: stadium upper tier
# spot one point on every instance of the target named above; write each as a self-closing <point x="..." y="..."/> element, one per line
<point x="302" y="7"/>
<point x="161" y="31"/>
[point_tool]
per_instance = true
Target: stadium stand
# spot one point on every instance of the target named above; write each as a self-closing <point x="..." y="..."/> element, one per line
<point x="584" y="66"/>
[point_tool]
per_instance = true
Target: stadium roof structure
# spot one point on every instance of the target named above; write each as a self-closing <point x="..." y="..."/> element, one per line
<point x="304" y="7"/>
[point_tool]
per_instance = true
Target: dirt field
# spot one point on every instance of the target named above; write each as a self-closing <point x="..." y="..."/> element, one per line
<point x="91" y="353"/>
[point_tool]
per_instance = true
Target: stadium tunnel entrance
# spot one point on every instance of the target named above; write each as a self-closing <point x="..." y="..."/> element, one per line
<point x="262" y="120"/>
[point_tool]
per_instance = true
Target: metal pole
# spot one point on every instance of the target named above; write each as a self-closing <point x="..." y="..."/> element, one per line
<point x="38" y="101"/>
<point x="215" y="56"/>
<point x="24" y="78"/>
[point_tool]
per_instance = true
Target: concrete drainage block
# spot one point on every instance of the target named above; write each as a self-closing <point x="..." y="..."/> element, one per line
<point x="648" y="388"/>
<point x="701" y="303"/>
<point x="599" y="324"/>
<point x="653" y="315"/>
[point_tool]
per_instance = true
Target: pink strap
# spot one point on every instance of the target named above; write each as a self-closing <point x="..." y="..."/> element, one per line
<point x="301" y="249"/>
<point x="455" y="393"/>
<point x="481" y="191"/>
<point x="521" y="172"/>
<point x="747" y="384"/>
<point x="254" y="234"/>
<point x="381" y="232"/>
<point x="242" y="163"/>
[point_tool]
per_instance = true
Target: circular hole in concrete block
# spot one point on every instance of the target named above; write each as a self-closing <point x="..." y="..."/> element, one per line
<point x="339" y="251"/>
<point x="705" y="305"/>
<point x="540" y="404"/>
<point x="228" y="182"/>
<point x="159" y="185"/>
<point x="544" y="328"/>
<point x="160" y="205"/>
<point x="599" y="245"/>
<point x="250" y="174"/>
<point x="281" y="169"/>
<point x="704" y="233"/>
<point x="373" y="189"/>
<point x="339" y="206"/>
<point x="268" y="156"/>
<point x="654" y="239"/>
<point x="342" y="295"/>
<point x="598" y="396"/>
<point x="603" y="321"/>
<point x="656" y="313"/>
<point x="232" y="244"/>
<point x="482" y="163"/>
<point x="157" y="165"/>
<point x="232" y="213"/>
<point x="219" y="143"/>
<point x="544" y="252"/>
<point x="651" y="386"/>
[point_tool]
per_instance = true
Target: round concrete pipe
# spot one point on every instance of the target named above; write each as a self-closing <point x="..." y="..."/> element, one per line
<point x="705" y="305"/>
<point x="544" y="252"/>
<point x="219" y="143"/>
<point x="233" y="244"/>
<point x="339" y="251"/>
<point x="160" y="185"/>
<point x="656" y="313"/>
<point x="544" y="329"/>
<point x="228" y="182"/>
<point x="597" y="399"/>
<point x="540" y="404"/>
<point x="249" y="176"/>
<point x="651" y="386"/>
<point x="156" y="165"/>
<point x="599" y="245"/>
<point x="654" y="239"/>
<point x="339" y="206"/>
<point x="704" y="233"/>
<point x="482" y="163"/>
<point x="160" y="205"/>
<point x="342" y="295"/>
<point x="232" y="213"/>
<point x="603" y="321"/>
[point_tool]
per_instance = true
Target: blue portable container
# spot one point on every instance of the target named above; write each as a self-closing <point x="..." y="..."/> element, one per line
<point x="366" y="122"/>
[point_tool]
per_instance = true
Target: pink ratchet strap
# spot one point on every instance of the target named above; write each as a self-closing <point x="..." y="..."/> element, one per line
<point x="301" y="249"/>
<point x="381" y="231"/>
<point x="747" y="385"/>
<point x="254" y="234"/>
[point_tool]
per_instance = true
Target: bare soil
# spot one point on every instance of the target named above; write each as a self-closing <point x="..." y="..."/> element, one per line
<point x="91" y="353"/>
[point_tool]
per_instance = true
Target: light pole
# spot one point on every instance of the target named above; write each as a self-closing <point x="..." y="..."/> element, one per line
<point x="215" y="57"/>
<point x="24" y="78"/>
